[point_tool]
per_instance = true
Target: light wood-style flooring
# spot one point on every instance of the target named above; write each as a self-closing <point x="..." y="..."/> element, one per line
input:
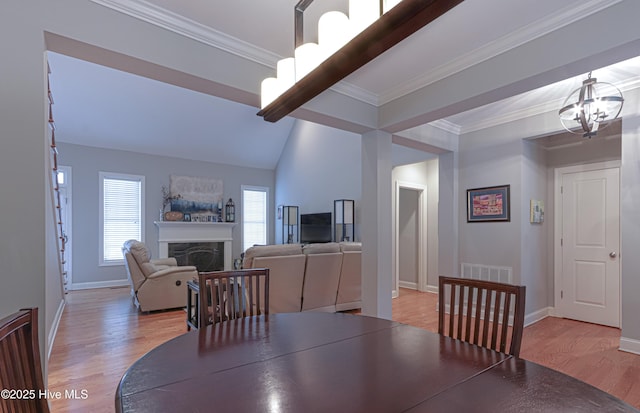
<point x="101" y="334"/>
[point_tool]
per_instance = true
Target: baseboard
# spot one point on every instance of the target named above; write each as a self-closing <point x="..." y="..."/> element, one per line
<point x="326" y="309"/>
<point x="54" y="327"/>
<point x="408" y="284"/>
<point x="432" y="289"/>
<point x="99" y="284"/>
<point x="537" y="316"/>
<point x="629" y="345"/>
<point x="354" y="305"/>
<point x="528" y="318"/>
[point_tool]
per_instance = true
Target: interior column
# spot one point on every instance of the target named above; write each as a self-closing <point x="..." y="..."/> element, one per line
<point x="630" y="233"/>
<point x="375" y="224"/>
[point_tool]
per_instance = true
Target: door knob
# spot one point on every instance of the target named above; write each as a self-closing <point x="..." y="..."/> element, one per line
<point x="612" y="254"/>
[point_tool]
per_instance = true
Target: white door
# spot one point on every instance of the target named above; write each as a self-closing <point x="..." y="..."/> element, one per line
<point x="64" y="187"/>
<point x="590" y="284"/>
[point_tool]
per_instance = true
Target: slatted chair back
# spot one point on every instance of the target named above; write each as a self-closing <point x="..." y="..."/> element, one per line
<point x="479" y="313"/>
<point x="20" y="368"/>
<point x="227" y="295"/>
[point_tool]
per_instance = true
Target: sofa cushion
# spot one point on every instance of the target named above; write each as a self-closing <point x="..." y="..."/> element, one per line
<point x="269" y="251"/>
<point x="321" y="248"/>
<point x="350" y="246"/>
<point x="138" y="250"/>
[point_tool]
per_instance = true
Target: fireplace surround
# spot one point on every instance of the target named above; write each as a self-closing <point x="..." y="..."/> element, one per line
<point x="196" y="237"/>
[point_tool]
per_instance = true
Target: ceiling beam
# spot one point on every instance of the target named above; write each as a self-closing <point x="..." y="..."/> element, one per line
<point x="390" y="29"/>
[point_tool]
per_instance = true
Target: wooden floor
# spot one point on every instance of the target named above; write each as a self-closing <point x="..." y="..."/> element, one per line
<point x="101" y="334"/>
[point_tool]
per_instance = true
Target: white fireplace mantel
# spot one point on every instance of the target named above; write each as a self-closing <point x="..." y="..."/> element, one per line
<point x="177" y="231"/>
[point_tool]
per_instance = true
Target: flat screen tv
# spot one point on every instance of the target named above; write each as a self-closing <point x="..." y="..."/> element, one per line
<point x="315" y="227"/>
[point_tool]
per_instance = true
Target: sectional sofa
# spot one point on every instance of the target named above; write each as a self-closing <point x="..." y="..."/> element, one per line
<point x="311" y="277"/>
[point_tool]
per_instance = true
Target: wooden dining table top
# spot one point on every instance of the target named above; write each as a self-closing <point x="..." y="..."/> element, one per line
<point x="324" y="362"/>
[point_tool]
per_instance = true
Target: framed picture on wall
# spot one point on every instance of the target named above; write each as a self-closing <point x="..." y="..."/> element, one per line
<point x="488" y="204"/>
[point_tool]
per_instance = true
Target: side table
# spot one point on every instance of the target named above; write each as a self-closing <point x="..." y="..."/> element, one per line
<point x="193" y="305"/>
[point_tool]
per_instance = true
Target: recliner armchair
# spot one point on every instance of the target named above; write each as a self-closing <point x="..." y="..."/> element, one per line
<point x="156" y="284"/>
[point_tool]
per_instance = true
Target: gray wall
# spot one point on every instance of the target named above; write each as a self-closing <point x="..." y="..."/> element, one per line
<point x="533" y="272"/>
<point x="491" y="243"/>
<point x="25" y="223"/>
<point x="87" y="162"/>
<point x="319" y="164"/>
<point x="424" y="173"/>
<point x="408" y="232"/>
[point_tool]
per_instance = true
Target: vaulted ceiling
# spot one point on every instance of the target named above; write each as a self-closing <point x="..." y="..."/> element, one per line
<point x="105" y="107"/>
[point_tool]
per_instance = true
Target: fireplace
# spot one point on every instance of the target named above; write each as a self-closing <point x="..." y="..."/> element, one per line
<point x="207" y="245"/>
<point x="205" y="256"/>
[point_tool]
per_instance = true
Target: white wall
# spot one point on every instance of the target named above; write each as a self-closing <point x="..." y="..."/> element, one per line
<point x="319" y="164"/>
<point x="87" y="161"/>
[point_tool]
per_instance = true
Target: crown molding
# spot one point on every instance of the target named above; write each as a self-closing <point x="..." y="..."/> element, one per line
<point x="446" y="126"/>
<point x="166" y="19"/>
<point x="549" y="106"/>
<point x="510" y="41"/>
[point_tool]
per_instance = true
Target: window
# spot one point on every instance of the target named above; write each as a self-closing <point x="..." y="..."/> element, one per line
<point x="254" y="216"/>
<point x="121" y="214"/>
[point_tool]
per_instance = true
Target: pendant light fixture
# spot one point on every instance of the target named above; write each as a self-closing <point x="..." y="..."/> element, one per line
<point x="589" y="106"/>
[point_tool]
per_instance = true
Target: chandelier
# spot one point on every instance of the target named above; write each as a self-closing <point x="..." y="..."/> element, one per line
<point x="345" y="43"/>
<point x="589" y="106"/>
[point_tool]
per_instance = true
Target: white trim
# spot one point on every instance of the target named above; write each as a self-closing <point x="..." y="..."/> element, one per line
<point x="422" y="234"/>
<point x="408" y="284"/>
<point x="536" y="316"/>
<point x="563" y="17"/>
<point x="630" y="345"/>
<point x="433" y="289"/>
<point x="557" y="227"/>
<point x="349" y="306"/>
<point x="446" y="126"/>
<point x="99" y="284"/>
<point x="54" y="328"/>
<point x="176" y="23"/>
<point x="68" y="227"/>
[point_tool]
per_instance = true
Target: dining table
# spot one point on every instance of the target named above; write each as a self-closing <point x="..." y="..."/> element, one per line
<point x="336" y="362"/>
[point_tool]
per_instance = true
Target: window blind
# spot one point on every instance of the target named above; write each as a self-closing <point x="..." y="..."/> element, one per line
<point x="254" y="217"/>
<point x="122" y="214"/>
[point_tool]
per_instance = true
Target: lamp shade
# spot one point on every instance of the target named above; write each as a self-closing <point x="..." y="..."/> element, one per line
<point x="333" y="32"/>
<point x="362" y="13"/>
<point x="307" y="57"/>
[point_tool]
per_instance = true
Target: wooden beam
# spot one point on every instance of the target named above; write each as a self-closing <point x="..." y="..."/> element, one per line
<point x="397" y="24"/>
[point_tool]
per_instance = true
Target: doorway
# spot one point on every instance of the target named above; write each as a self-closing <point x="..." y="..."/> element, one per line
<point x="587" y="223"/>
<point x="410" y="237"/>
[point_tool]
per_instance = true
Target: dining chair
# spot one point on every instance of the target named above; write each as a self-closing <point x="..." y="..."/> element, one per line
<point x="479" y="312"/>
<point x="227" y="295"/>
<point x="20" y="368"/>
